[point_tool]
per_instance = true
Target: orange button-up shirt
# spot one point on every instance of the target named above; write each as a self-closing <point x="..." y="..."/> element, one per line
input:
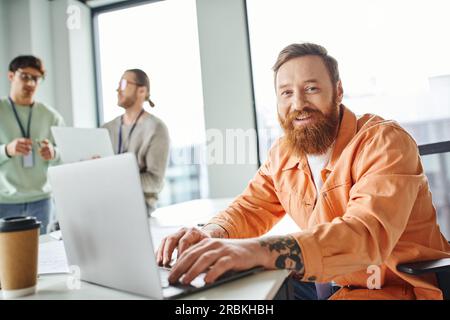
<point x="374" y="209"/>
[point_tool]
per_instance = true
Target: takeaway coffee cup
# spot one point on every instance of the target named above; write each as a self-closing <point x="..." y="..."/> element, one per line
<point x="19" y="238"/>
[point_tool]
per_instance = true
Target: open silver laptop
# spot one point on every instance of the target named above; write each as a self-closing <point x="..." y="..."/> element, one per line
<point x="105" y="229"/>
<point x="78" y="144"/>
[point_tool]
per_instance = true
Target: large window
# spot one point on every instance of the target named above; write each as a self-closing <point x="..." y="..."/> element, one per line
<point x="162" y="39"/>
<point x="393" y="58"/>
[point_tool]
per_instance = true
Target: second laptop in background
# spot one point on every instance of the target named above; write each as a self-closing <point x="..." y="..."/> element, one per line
<point x="79" y="144"/>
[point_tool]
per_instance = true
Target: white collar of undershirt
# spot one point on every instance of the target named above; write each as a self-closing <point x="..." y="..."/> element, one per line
<point x="323" y="159"/>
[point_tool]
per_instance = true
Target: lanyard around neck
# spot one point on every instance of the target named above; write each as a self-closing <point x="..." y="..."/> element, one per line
<point x="25" y="134"/>
<point x="119" y="149"/>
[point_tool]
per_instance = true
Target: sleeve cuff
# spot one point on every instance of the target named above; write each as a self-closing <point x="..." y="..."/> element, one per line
<point x="3" y="156"/>
<point x="312" y="256"/>
<point x="229" y="228"/>
<point x="57" y="157"/>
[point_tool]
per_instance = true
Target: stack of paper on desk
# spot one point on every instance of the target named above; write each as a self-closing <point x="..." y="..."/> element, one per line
<point x="52" y="258"/>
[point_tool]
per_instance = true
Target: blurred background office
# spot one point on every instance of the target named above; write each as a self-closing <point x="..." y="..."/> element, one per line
<point x="210" y="66"/>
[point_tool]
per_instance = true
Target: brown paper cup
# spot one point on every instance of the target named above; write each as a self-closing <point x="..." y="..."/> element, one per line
<point x="18" y="257"/>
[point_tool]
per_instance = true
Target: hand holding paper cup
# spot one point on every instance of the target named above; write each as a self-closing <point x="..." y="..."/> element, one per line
<point x="19" y="240"/>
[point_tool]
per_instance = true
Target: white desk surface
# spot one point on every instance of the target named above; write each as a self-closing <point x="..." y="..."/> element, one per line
<point x="260" y="286"/>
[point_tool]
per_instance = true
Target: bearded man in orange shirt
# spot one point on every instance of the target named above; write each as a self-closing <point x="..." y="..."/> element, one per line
<point x="355" y="186"/>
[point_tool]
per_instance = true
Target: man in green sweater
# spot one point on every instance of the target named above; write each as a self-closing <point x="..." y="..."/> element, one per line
<point x="26" y="144"/>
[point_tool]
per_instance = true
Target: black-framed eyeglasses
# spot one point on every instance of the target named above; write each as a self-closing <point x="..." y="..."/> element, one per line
<point x="26" y="77"/>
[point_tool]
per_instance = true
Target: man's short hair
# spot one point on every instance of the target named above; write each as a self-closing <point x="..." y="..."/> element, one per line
<point x="296" y="50"/>
<point x="26" y="61"/>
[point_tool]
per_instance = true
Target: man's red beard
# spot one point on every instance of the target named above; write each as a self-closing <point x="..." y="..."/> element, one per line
<point x="314" y="138"/>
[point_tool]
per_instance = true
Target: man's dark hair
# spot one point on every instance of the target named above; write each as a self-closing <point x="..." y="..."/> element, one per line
<point x="142" y="80"/>
<point x="27" y="61"/>
<point x="296" y="50"/>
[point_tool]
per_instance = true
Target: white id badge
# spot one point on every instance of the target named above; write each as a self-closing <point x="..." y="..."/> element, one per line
<point x="28" y="161"/>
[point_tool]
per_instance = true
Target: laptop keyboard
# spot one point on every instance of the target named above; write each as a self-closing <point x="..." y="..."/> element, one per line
<point x="198" y="282"/>
<point x="176" y="290"/>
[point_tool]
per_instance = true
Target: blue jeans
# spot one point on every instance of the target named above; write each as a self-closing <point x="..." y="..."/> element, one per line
<point x="307" y="290"/>
<point x="40" y="209"/>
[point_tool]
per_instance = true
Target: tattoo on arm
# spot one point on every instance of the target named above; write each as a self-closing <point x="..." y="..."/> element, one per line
<point x="288" y="250"/>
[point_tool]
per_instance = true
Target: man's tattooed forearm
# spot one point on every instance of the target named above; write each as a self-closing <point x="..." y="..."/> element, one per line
<point x="289" y="252"/>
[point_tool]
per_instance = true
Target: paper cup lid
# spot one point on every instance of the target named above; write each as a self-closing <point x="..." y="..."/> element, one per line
<point x="18" y="224"/>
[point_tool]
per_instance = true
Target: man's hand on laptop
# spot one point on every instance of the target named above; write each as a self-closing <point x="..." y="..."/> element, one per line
<point x="217" y="256"/>
<point x="185" y="238"/>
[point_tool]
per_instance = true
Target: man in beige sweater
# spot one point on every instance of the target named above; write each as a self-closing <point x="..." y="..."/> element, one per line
<point x="140" y="132"/>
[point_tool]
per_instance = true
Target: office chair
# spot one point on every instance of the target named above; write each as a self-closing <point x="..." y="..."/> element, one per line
<point x="440" y="267"/>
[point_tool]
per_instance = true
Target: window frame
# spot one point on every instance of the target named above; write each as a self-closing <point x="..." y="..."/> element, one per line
<point x="95" y="12"/>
